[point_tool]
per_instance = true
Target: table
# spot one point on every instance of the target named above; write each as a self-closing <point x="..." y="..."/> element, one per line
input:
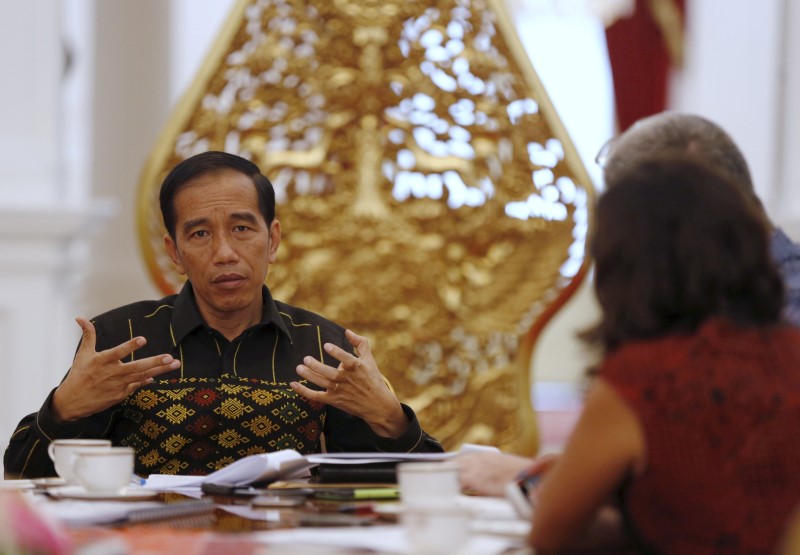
<point x="234" y="526"/>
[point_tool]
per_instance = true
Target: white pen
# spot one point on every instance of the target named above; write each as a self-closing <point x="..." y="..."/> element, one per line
<point x="138" y="480"/>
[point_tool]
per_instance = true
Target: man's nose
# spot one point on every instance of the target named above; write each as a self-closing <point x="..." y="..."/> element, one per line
<point x="224" y="251"/>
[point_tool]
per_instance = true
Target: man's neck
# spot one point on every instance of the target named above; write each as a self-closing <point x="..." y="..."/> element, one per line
<point x="232" y="325"/>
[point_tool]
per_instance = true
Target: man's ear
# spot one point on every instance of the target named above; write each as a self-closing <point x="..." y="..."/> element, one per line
<point x="172" y="251"/>
<point x="274" y="240"/>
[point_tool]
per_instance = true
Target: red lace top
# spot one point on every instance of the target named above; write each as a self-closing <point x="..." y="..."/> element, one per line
<point x="720" y="411"/>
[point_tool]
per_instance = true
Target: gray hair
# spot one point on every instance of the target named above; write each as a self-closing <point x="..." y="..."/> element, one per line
<point x="675" y="133"/>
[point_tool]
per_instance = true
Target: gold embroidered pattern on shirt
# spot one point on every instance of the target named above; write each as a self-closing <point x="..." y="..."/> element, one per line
<point x="174" y="444"/>
<point x="233" y="408"/>
<point x="152" y="430"/>
<point x="146" y="399"/>
<point x="262" y="396"/>
<point x="261" y="426"/>
<point x="230" y="438"/>
<point x="178" y="394"/>
<point x="176" y="414"/>
<point x="217" y="421"/>
<point x="289" y="413"/>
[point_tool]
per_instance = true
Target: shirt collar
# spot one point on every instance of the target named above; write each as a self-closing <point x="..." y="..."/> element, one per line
<point x="781" y="246"/>
<point x="186" y="316"/>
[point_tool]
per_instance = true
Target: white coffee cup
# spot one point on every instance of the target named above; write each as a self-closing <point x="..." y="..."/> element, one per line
<point x="436" y="529"/>
<point x="426" y="483"/>
<point x="62" y="453"/>
<point x="105" y="470"/>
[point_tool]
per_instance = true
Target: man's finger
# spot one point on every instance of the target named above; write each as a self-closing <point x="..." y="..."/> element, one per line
<point x="89" y="337"/>
<point x="122" y="350"/>
<point x="319" y="368"/>
<point x="359" y="342"/>
<point x="339" y="354"/>
<point x="309" y="394"/>
<point x="136" y="385"/>
<point x="170" y="367"/>
<point x="149" y="367"/>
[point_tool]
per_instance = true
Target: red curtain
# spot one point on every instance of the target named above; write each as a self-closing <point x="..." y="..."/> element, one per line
<point x="641" y="60"/>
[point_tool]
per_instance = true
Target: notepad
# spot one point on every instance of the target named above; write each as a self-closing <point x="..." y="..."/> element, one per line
<point x="262" y="467"/>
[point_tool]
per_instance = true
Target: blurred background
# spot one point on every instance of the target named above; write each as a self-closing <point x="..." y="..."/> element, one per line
<point x="88" y="86"/>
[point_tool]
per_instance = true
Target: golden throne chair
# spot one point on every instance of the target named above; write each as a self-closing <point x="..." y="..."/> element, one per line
<point x="429" y="195"/>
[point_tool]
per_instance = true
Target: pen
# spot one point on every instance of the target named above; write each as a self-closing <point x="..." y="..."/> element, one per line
<point x="137" y="480"/>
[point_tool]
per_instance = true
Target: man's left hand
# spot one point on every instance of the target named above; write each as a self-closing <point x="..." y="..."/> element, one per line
<point x="355" y="386"/>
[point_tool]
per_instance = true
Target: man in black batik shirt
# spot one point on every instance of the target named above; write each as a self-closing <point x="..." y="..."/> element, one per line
<point x="221" y="370"/>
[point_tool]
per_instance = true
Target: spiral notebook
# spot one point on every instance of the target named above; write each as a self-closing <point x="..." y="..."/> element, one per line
<point x="181" y="509"/>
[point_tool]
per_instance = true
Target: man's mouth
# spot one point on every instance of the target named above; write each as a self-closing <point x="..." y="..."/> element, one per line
<point x="228" y="280"/>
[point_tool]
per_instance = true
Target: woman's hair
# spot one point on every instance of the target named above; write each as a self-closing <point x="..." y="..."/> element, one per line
<point x="676" y="243"/>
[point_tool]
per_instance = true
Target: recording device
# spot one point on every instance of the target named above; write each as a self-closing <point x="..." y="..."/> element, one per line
<point x="520" y="493"/>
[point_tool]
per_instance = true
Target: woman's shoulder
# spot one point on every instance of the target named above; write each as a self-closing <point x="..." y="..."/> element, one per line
<point x="718" y="346"/>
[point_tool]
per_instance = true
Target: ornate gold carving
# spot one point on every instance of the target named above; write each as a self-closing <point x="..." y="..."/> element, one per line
<point x="428" y="193"/>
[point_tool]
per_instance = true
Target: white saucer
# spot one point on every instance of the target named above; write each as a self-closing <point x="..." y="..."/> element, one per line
<point x="132" y="493"/>
<point x="48" y="482"/>
<point x="16" y="484"/>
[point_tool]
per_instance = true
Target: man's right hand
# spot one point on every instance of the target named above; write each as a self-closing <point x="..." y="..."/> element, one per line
<point x="487" y="473"/>
<point x="98" y="381"/>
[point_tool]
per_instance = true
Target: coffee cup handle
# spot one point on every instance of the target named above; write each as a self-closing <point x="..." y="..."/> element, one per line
<point x="51" y="451"/>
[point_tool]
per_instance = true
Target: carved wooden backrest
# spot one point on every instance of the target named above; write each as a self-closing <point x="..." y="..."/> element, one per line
<point x="428" y="193"/>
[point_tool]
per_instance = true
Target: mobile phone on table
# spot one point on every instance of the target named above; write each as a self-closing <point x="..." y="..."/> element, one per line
<point x="520" y="493"/>
<point x="249" y="491"/>
<point x="335" y="519"/>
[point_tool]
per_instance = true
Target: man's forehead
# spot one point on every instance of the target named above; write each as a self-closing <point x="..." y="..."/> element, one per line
<point x="232" y="199"/>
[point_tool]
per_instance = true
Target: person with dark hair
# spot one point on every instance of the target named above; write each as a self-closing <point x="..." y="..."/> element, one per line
<point x="690" y="421"/>
<point x="678" y="133"/>
<point x="219" y="371"/>
<point x="654" y="136"/>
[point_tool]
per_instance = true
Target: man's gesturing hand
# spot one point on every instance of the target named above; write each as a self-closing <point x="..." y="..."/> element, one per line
<point x="355" y="386"/>
<point x="97" y="381"/>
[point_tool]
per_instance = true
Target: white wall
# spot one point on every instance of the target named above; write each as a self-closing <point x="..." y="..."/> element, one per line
<point x="743" y="71"/>
<point x="785" y="201"/>
<point x="733" y="76"/>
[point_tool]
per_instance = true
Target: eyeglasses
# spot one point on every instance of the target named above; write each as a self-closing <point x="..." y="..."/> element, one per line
<point x="602" y="155"/>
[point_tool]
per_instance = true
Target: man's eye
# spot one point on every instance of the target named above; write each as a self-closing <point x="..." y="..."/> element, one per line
<point x="241" y="228"/>
<point x="200" y="233"/>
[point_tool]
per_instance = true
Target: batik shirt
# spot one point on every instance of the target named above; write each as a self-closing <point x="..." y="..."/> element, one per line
<point x="229" y="399"/>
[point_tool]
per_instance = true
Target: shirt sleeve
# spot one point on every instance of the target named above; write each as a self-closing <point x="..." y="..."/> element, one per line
<point x="26" y="455"/>
<point x="347" y="433"/>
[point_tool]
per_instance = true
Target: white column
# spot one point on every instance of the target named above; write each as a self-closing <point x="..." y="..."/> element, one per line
<point x="787" y="211"/>
<point x="732" y="75"/>
<point x="42" y="228"/>
<point x="39" y="251"/>
<point x="30" y="63"/>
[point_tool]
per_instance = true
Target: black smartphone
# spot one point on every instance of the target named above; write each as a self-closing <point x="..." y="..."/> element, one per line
<point x="335" y="519"/>
<point x="520" y="494"/>
<point x="227" y="489"/>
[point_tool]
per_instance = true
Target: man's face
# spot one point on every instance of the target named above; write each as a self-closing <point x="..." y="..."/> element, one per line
<point x="223" y="245"/>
